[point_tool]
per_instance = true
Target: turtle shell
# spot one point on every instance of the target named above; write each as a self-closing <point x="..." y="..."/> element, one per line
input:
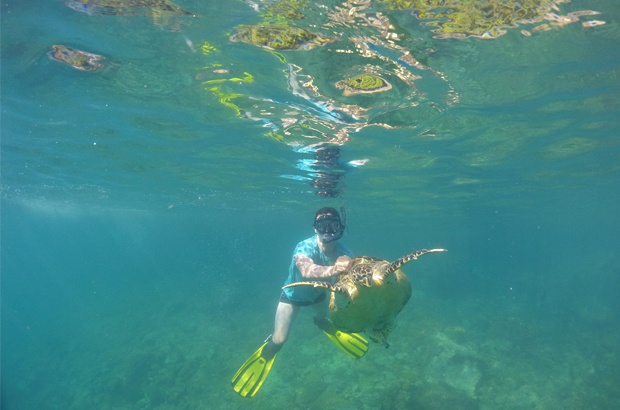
<point x="373" y="301"/>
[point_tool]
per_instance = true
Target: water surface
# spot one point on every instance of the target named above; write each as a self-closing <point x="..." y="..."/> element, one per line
<point x="147" y="227"/>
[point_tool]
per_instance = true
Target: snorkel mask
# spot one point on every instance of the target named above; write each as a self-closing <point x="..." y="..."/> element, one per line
<point x="328" y="225"/>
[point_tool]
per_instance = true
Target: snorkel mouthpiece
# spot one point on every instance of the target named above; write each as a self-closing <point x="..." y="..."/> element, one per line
<point x="330" y="237"/>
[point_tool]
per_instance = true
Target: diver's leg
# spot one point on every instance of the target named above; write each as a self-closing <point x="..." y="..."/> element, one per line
<point x="321" y="316"/>
<point x="352" y="344"/>
<point x="252" y="374"/>
<point x="285" y="315"/>
<point x="321" y="310"/>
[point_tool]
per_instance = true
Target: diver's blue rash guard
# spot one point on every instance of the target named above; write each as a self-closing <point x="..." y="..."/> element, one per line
<point x="310" y="248"/>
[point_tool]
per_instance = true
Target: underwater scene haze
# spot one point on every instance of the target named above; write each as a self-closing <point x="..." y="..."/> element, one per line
<point x="160" y="161"/>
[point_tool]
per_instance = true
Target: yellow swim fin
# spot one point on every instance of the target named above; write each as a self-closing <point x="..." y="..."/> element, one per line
<point x="251" y="376"/>
<point x="352" y="344"/>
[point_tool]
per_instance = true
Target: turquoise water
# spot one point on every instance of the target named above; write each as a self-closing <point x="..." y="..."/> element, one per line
<point x="147" y="227"/>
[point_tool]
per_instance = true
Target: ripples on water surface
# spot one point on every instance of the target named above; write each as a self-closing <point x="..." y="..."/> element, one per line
<point x="149" y="206"/>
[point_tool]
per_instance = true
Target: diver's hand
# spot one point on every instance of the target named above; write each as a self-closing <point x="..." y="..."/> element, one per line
<point x="342" y="263"/>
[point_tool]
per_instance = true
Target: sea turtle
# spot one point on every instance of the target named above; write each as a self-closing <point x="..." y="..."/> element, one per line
<point x="368" y="295"/>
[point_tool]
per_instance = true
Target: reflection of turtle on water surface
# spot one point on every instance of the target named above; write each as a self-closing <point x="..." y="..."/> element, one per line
<point x="125" y="7"/>
<point x="159" y="10"/>
<point x="278" y="37"/>
<point x="369" y="294"/>
<point x="78" y="59"/>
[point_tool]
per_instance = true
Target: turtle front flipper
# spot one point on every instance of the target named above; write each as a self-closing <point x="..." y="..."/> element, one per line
<point x="394" y="266"/>
<point x="324" y="285"/>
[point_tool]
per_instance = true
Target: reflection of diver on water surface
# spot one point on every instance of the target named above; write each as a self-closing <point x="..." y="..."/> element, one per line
<point x="328" y="171"/>
<point x="325" y="170"/>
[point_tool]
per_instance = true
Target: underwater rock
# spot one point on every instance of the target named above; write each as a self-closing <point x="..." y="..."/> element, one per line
<point x="363" y="84"/>
<point x="78" y="59"/>
<point x="455" y="365"/>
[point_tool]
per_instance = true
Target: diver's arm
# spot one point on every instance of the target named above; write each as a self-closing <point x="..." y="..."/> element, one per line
<point x="311" y="270"/>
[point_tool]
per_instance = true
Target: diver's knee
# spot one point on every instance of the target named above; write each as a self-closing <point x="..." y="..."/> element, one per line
<point x="278" y="338"/>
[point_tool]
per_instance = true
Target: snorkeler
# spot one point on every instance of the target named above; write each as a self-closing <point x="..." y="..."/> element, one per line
<point x="319" y="257"/>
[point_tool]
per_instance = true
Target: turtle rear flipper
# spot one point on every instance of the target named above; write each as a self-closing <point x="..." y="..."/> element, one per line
<point x="380" y="335"/>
